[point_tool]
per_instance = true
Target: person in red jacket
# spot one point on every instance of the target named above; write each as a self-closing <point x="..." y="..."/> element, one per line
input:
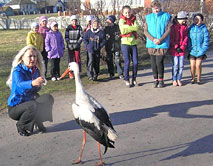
<point x="178" y="44"/>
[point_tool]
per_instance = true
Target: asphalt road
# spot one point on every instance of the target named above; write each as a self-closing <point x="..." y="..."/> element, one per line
<point x="172" y="126"/>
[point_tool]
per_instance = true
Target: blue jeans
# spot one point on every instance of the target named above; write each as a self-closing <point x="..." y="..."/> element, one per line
<point x="177" y="67"/>
<point x="130" y="52"/>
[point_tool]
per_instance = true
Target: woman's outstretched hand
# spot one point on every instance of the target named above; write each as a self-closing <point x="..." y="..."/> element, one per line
<point x="38" y="81"/>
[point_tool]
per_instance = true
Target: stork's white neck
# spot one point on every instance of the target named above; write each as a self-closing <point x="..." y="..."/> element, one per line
<point x="78" y="84"/>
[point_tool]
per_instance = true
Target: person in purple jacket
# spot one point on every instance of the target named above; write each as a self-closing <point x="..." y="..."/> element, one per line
<point x="54" y="45"/>
<point x="94" y="39"/>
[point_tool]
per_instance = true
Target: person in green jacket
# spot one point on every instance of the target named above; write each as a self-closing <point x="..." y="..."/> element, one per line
<point x="35" y="38"/>
<point x="129" y="26"/>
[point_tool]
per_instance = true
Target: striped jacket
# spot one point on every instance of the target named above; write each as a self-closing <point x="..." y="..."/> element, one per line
<point x="73" y="37"/>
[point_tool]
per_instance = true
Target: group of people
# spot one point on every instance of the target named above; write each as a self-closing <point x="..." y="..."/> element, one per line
<point x="173" y="36"/>
<point x="163" y="35"/>
<point x="29" y="67"/>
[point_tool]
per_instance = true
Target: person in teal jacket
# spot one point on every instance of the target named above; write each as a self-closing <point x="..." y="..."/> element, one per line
<point x="157" y="29"/>
<point x="198" y="44"/>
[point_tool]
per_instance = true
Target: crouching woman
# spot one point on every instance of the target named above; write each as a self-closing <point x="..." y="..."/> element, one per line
<point x="24" y="103"/>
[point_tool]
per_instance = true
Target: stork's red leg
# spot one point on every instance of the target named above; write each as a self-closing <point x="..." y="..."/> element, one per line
<point x="82" y="149"/>
<point x="101" y="161"/>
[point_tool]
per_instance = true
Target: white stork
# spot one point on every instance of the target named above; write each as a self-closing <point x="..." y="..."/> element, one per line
<point x="92" y="117"/>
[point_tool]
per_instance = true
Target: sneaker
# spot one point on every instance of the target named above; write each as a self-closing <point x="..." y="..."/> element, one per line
<point x="175" y="83"/>
<point x="127" y="84"/>
<point x="121" y="77"/>
<point x="95" y="78"/>
<point x="90" y="78"/>
<point x="53" y="79"/>
<point x="161" y="84"/>
<point x="155" y="84"/>
<point x="134" y="83"/>
<point x="111" y="77"/>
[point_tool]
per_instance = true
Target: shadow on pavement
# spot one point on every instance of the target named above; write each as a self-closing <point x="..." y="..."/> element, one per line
<point x="200" y="146"/>
<point x="177" y="110"/>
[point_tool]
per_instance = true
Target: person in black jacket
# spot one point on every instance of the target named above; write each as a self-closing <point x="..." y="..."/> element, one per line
<point x="73" y="37"/>
<point x="94" y="39"/>
<point x="113" y="46"/>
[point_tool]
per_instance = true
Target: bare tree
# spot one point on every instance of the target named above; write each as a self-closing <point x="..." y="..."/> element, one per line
<point x="174" y="6"/>
<point x="208" y="7"/>
<point x="74" y="5"/>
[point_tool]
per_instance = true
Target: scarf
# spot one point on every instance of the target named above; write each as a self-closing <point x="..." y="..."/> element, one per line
<point x="129" y="21"/>
<point x="43" y="31"/>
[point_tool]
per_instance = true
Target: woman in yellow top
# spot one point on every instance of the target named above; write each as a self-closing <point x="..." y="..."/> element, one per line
<point x="129" y="26"/>
<point x="35" y="38"/>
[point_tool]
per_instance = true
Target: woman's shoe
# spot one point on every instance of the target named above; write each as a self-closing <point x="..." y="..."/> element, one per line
<point x="199" y="82"/>
<point x="192" y="81"/>
<point x="134" y="83"/>
<point x="22" y="132"/>
<point x="161" y="84"/>
<point x="41" y="127"/>
<point x="155" y="84"/>
<point x="127" y="84"/>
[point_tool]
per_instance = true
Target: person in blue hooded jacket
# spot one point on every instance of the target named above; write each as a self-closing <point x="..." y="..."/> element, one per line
<point x="198" y="44"/>
<point x="25" y="105"/>
<point x="94" y="40"/>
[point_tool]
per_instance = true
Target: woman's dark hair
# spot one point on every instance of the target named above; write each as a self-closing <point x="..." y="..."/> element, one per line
<point x="125" y="7"/>
<point x="155" y="3"/>
<point x="174" y="20"/>
<point x="200" y="15"/>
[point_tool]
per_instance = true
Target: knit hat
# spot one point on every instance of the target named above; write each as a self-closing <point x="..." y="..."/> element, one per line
<point x="89" y="18"/>
<point x="34" y="24"/>
<point x="182" y="15"/>
<point x="111" y="18"/>
<point x="43" y="18"/>
<point x="200" y="15"/>
<point x="52" y="24"/>
<point x="74" y="17"/>
<point x="95" y="19"/>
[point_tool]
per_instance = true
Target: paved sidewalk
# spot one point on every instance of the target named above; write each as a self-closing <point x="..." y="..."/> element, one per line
<point x="171" y="126"/>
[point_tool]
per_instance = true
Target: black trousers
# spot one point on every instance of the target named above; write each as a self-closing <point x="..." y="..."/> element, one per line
<point x="113" y="57"/>
<point x="55" y="67"/>
<point x="157" y="62"/>
<point x="31" y="112"/>
<point x="44" y="55"/>
<point x="93" y="65"/>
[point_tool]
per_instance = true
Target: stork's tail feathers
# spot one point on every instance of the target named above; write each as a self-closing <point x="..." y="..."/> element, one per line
<point x="110" y="145"/>
<point x="112" y="135"/>
<point x="110" y="139"/>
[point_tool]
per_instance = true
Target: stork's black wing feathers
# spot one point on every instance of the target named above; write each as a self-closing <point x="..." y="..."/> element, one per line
<point x="101" y="113"/>
<point x="98" y="135"/>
